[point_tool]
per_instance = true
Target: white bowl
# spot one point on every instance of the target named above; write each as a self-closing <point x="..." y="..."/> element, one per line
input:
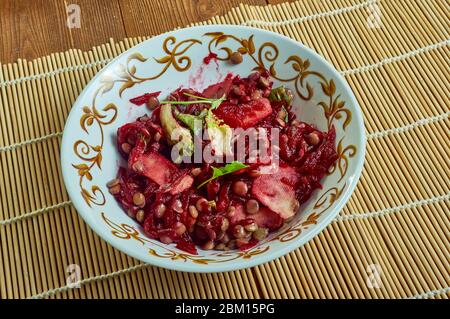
<point x="90" y="159"/>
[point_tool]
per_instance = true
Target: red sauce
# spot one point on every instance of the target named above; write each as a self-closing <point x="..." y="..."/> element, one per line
<point x="209" y="57"/>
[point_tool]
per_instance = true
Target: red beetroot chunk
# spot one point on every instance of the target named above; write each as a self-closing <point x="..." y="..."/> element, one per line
<point x="161" y="171"/>
<point x="277" y="191"/>
<point x="244" y="115"/>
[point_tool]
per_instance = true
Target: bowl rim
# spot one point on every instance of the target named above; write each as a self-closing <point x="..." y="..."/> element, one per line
<point x="258" y="259"/>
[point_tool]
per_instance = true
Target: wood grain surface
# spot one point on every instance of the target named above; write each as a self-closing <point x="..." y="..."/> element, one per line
<point x="33" y="28"/>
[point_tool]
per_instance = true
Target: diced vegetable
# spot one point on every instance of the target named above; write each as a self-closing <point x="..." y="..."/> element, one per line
<point x="175" y="133"/>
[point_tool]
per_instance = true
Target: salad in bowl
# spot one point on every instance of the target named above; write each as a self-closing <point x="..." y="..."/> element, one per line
<point x="217" y="201"/>
<point x="213" y="148"/>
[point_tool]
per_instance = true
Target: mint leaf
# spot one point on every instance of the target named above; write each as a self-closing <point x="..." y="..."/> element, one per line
<point x="216" y="103"/>
<point x="207" y="114"/>
<point x="279" y="94"/>
<point x="219" y="133"/>
<point x="221" y="171"/>
<point x="189" y="120"/>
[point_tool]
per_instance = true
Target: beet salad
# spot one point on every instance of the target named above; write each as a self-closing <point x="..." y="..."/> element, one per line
<point x="184" y="182"/>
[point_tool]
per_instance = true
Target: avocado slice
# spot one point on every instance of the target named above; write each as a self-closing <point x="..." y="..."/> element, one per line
<point x="176" y="134"/>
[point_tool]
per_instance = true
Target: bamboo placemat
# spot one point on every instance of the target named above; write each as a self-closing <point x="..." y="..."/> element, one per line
<point x="397" y="221"/>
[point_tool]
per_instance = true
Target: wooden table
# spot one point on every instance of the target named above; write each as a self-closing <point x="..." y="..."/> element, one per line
<point x="33" y="28"/>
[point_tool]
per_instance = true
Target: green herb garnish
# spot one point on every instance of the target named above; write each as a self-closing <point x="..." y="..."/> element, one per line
<point x="221" y="171"/>
<point x="279" y="94"/>
<point x="214" y="102"/>
<point x="220" y="134"/>
<point x="189" y="120"/>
